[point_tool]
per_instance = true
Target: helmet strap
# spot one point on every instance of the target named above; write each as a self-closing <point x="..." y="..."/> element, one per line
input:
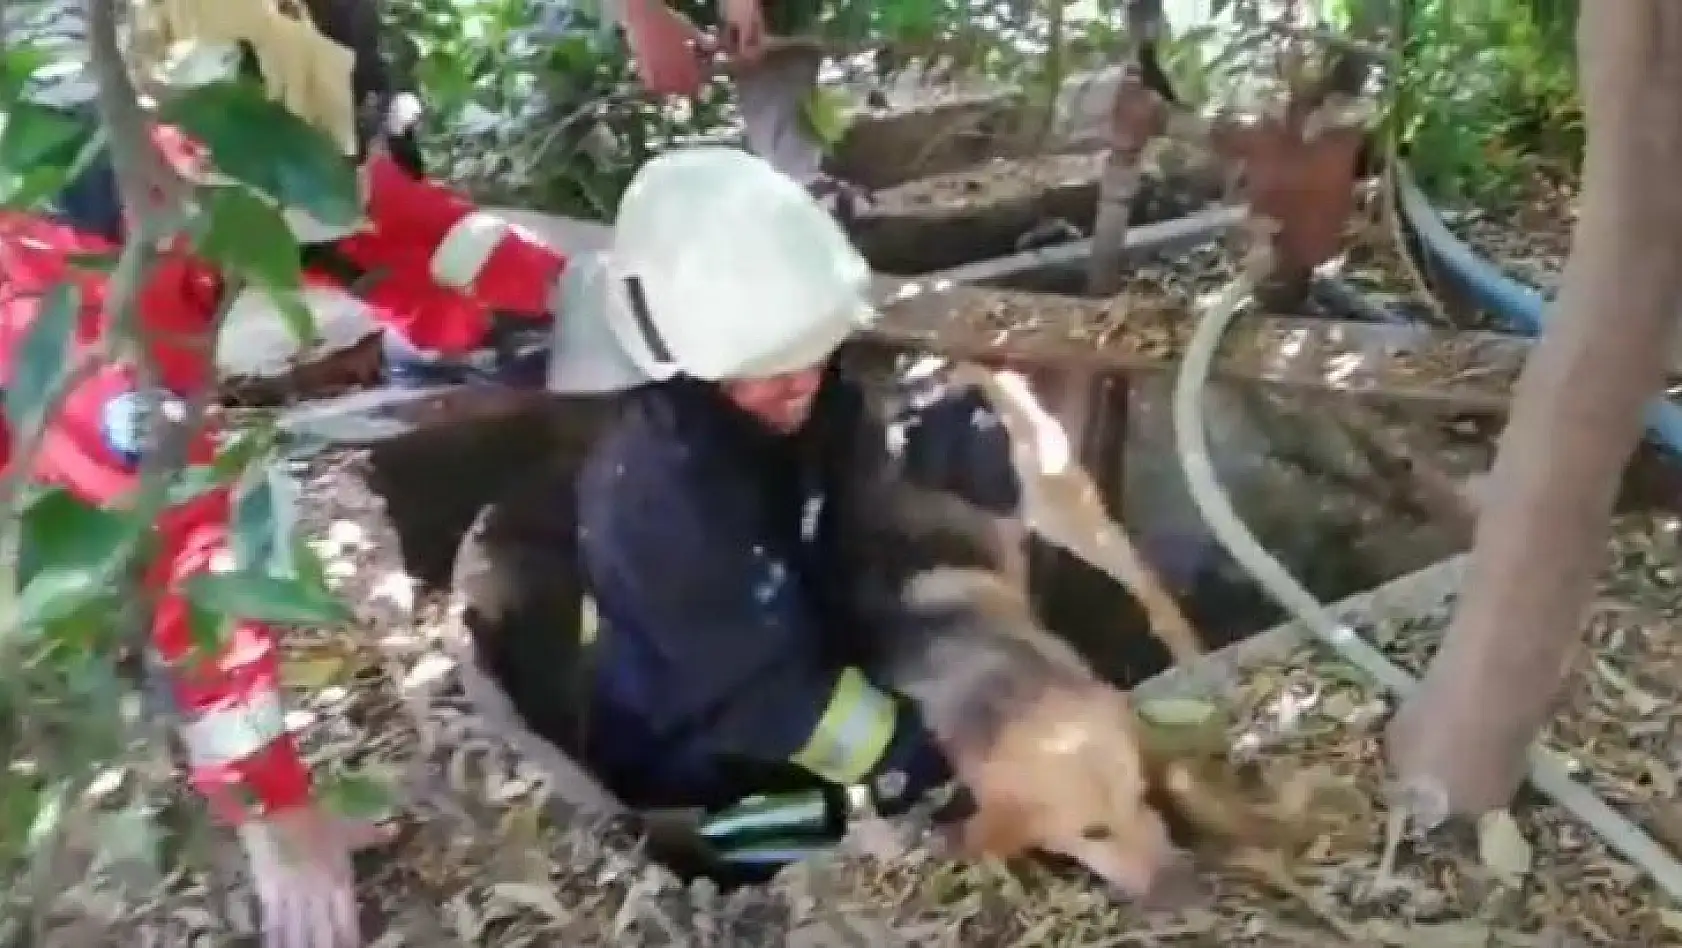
<point x="645" y="320"/>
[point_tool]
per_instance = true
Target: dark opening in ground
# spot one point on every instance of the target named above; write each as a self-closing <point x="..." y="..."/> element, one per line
<point x="912" y="235"/>
<point x="1202" y="264"/>
<point x="1062" y="279"/>
<point x="1294" y="481"/>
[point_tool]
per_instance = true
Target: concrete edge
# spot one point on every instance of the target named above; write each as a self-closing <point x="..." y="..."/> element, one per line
<point x="1412" y="594"/>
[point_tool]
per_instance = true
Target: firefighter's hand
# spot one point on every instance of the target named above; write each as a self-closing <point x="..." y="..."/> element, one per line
<point x="744" y="29"/>
<point x="667" y="47"/>
<point x="300" y="865"/>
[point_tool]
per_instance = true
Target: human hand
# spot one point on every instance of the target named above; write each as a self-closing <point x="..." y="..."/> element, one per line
<point x="666" y="46"/>
<point x="300" y="865"/>
<point x="744" y="29"/>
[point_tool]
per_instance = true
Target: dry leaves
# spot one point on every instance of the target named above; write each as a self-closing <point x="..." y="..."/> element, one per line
<point x="1528" y="238"/>
<point x="485" y="858"/>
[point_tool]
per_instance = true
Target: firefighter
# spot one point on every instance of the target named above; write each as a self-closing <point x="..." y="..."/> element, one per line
<point x="708" y="510"/>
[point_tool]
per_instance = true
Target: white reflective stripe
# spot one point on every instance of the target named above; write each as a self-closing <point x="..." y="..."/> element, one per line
<point x="853" y="733"/>
<point x="229" y="735"/>
<point x="405" y="110"/>
<point x="466" y="247"/>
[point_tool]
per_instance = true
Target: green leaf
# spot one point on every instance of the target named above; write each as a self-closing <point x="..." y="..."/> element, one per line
<point x="264" y="598"/>
<point x="247" y="235"/>
<point x="35" y="135"/>
<point x="232" y="459"/>
<point x="240" y="451"/>
<point x="1179" y="712"/>
<point x="105" y="263"/>
<point x="17" y="64"/>
<point x="49" y="813"/>
<point x="260" y="142"/>
<point x="61" y="531"/>
<point x="826" y="114"/>
<point x="194" y="482"/>
<point x="70" y="553"/>
<point x="298" y="317"/>
<point x="253" y="527"/>
<point x="59" y="592"/>
<point x="307" y="565"/>
<point x="358" y="796"/>
<point x="41" y="150"/>
<point x="44" y="356"/>
<point x="208" y="629"/>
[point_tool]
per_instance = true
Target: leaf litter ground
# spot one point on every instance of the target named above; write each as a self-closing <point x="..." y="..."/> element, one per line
<point x="484" y="856"/>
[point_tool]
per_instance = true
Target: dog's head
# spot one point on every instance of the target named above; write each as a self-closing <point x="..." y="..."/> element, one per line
<point x="1068" y="776"/>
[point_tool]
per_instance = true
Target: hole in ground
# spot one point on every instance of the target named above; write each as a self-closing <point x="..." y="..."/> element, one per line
<point x="912" y="240"/>
<point x="1068" y="277"/>
<point x="1336" y="547"/>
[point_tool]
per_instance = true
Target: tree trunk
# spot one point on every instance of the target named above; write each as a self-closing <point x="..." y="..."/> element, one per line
<point x="1462" y="738"/>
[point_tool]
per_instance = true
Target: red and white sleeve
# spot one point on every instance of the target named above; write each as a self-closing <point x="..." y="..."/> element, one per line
<point x="242" y="758"/>
<point x="476" y="252"/>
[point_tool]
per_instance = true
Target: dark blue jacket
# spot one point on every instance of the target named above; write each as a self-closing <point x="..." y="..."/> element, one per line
<point x="709" y="545"/>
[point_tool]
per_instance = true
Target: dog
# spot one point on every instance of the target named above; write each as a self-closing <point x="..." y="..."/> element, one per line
<point x="1050" y="754"/>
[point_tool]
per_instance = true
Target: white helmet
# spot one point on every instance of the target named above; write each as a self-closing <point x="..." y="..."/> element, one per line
<point x="721" y="268"/>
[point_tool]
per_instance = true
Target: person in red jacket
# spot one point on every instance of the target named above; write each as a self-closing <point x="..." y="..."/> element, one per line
<point x="430" y="266"/>
<point x="241" y="757"/>
<point x="444" y="268"/>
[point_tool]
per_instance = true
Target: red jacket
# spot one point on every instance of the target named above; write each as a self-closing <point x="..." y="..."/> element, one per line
<point x="443" y="266"/>
<point x="449" y="264"/>
<point x="242" y="757"/>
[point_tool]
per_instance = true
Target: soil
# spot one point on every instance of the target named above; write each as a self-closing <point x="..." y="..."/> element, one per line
<point x="1148" y="326"/>
<point x="483" y="857"/>
<point x="990" y="182"/>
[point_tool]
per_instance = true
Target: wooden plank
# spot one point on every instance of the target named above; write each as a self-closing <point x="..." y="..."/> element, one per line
<point x="1457" y="371"/>
<point x="1416" y="365"/>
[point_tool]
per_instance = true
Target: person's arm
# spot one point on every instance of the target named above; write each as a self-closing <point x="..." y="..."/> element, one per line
<point x="476" y="252"/>
<point x="735" y="630"/>
<point x="228" y="700"/>
<point x="241" y="756"/>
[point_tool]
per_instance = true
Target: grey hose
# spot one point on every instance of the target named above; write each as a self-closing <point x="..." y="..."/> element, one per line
<point x="1546" y="773"/>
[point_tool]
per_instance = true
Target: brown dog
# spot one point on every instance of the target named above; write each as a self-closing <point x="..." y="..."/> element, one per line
<point x="1050" y="753"/>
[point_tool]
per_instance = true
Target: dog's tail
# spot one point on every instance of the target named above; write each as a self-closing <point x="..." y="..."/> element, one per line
<point x="1061" y="503"/>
